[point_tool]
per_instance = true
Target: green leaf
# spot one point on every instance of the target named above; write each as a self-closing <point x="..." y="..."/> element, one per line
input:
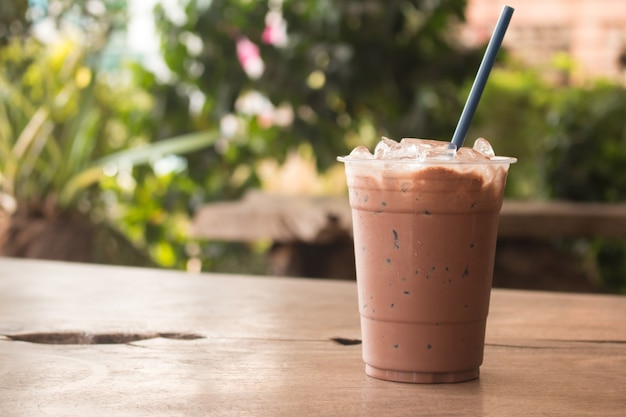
<point x="135" y="156"/>
<point x="22" y="145"/>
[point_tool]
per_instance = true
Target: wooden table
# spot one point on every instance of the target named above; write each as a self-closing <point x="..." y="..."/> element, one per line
<point x="143" y="342"/>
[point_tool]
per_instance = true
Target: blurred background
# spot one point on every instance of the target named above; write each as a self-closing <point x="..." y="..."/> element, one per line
<point x="120" y="119"/>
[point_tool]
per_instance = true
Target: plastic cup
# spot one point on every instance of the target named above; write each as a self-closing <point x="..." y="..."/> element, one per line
<point x="424" y="240"/>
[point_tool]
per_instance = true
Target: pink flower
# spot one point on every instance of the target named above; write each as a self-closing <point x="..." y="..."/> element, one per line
<point x="275" y="32"/>
<point x="250" y="58"/>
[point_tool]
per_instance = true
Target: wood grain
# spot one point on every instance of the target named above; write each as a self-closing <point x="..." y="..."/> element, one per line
<point x="266" y="348"/>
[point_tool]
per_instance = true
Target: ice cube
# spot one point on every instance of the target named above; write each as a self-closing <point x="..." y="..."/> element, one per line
<point x="424" y="149"/>
<point x="361" y="152"/>
<point x="484" y="147"/>
<point x="469" y="154"/>
<point x="401" y="150"/>
<point x="385" y="148"/>
<point x="417" y="149"/>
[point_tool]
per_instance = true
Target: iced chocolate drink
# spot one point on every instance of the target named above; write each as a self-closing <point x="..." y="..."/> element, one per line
<point x="425" y="220"/>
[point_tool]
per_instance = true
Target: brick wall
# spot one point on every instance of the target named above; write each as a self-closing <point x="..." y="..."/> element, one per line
<point x="593" y="32"/>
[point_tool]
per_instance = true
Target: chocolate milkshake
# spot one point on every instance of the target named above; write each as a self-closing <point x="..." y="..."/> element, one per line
<point x="425" y="220"/>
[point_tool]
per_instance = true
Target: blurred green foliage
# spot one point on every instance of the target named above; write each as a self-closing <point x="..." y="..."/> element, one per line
<point x="571" y="144"/>
<point x="586" y="162"/>
<point x="65" y="126"/>
<point x="57" y="119"/>
<point x="588" y="152"/>
<point x="12" y="20"/>
<point x="512" y="116"/>
<point x="347" y="70"/>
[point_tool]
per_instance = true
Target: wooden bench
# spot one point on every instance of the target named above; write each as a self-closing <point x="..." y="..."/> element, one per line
<point x="312" y="235"/>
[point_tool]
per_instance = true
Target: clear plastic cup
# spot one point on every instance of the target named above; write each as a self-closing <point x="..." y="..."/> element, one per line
<point x="424" y="239"/>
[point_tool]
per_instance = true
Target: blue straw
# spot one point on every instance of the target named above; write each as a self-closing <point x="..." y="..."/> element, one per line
<point x="481" y="76"/>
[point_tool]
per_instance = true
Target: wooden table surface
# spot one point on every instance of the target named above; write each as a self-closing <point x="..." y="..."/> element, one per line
<point x="144" y="342"/>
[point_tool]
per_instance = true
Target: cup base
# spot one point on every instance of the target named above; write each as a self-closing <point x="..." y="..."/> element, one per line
<point x="421" y="377"/>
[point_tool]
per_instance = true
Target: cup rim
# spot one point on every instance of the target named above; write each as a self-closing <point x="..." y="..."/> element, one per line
<point x="496" y="160"/>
